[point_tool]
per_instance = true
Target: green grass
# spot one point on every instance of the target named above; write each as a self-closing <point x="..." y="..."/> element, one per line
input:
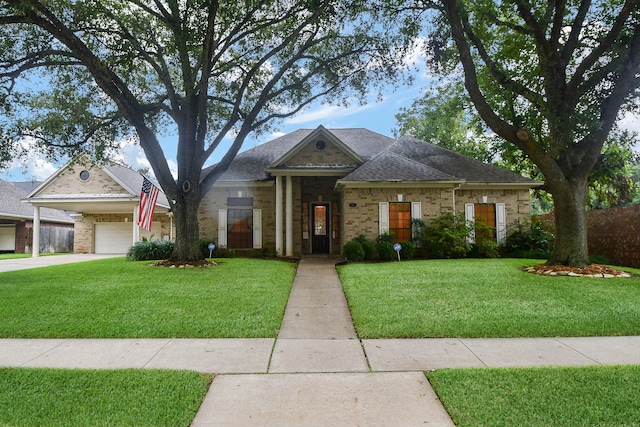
<point x="584" y="396"/>
<point x="12" y="256"/>
<point x="60" y="397"/>
<point x="114" y="298"/>
<point x="485" y="298"/>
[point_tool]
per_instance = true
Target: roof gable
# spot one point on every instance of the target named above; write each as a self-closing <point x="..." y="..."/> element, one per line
<point x="99" y="180"/>
<point x="252" y="165"/>
<point x="319" y="149"/>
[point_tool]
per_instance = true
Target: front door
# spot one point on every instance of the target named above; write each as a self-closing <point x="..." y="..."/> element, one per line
<point x="320" y="228"/>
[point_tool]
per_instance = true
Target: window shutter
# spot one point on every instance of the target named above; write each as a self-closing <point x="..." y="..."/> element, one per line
<point x="469" y="215"/>
<point x="501" y="223"/>
<point x="416" y="210"/>
<point x="384" y="217"/>
<point x="222" y="228"/>
<point x="257" y="228"/>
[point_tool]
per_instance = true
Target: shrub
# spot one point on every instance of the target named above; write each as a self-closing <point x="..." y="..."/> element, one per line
<point x="369" y="249"/>
<point x="530" y="239"/>
<point x="488" y="248"/>
<point x="353" y="251"/>
<point x="367" y="245"/>
<point x="146" y="250"/>
<point x="447" y="237"/>
<point x="385" y="251"/>
<point x="407" y="250"/>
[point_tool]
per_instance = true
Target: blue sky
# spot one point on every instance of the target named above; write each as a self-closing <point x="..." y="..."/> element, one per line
<point x="376" y="115"/>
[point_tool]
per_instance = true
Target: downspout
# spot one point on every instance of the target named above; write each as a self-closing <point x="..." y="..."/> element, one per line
<point x="453" y="194"/>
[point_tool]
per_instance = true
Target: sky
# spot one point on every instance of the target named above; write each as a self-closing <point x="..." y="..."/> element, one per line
<point x="375" y="115"/>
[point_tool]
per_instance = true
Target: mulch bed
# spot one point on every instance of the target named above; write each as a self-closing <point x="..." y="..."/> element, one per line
<point x="593" y="270"/>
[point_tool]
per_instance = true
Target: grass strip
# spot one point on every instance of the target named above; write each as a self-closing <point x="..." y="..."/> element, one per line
<point x="56" y="397"/>
<point x="485" y="298"/>
<point x="115" y="298"/>
<point x="557" y="396"/>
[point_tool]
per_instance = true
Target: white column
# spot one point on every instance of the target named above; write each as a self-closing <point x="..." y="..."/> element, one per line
<point x="136" y="229"/>
<point x="279" y="215"/>
<point x="35" y="250"/>
<point x="289" y="216"/>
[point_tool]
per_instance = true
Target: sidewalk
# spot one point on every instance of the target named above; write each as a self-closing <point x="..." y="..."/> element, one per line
<point x="317" y="371"/>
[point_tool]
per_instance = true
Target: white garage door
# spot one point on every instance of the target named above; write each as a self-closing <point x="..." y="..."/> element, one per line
<point x="7" y="237"/>
<point x="117" y="237"/>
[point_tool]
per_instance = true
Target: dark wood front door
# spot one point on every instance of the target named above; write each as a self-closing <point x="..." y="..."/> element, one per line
<point x="320" y="228"/>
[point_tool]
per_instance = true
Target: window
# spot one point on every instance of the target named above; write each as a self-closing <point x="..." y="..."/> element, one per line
<point x="240" y="223"/>
<point x="400" y="221"/>
<point x="240" y="232"/>
<point x="485" y="215"/>
<point x="489" y="214"/>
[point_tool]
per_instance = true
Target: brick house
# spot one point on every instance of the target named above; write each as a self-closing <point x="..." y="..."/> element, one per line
<point x="105" y="199"/>
<point x="313" y="190"/>
<point x="307" y="192"/>
<point x="16" y="223"/>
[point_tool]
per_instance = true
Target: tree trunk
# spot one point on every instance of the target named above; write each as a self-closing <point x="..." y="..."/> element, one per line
<point x="185" y="212"/>
<point x="570" y="247"/>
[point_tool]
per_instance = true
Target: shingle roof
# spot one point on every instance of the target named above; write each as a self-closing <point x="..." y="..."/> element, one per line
<point x="389" y="166"/>
<point x="385" y="159"/>
<point x="455" y="164"/>
<point x="251" y="164"/>
<point x="11" y="206"/>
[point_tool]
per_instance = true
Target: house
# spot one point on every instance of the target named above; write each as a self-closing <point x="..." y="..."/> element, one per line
<point x="105" y="200"/>
<point x="307" y="192"/>
<point x="313" y="190"/>
<point x="16" y="223"/>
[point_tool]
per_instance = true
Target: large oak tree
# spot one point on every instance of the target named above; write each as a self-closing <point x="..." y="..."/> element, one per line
<point x="76" y="75"/>
<point x="551" y="78"/>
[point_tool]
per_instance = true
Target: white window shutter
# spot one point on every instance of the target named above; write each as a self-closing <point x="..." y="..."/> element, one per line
<point x="222" y="228"/>
<point x="501" y="223"/>
<point x="384" y="217"/>
<point x="416" y="210"/>
<point x="469" y="215"/>
<point x="257" y="228"/>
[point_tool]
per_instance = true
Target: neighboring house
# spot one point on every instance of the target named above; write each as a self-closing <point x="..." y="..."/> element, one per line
<point x="105" y="200"/>
<point x="313" y="190"/>
<point x="16" y="223"/>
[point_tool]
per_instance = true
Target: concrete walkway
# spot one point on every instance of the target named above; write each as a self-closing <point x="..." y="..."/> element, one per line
<point x="319" y="373"/>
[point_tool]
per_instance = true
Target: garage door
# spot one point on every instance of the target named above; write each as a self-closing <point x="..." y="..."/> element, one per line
<point x="7" y="237"/>
<point x="117" y="237"/>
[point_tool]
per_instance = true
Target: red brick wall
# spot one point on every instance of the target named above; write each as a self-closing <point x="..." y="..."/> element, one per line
<point x="615" y="234"/>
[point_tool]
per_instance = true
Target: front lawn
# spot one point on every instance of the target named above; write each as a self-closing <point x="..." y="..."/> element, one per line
<point x="485" y="298"/>
<point x="115" y="298"/>
<point x="61" y="397"/>
<point x="558" y="396"/>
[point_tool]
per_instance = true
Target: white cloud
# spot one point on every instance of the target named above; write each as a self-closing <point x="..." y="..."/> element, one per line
<point x="328" y="113"/>
<point x="30" y="165"/>
<point x="630" y="122"/>
<point x="131" y="154"/>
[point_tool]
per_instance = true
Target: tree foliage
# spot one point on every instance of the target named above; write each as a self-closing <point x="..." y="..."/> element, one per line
<point x="445" y="116"/>
<point x="551" y="78"/>
<point x="78" y="75"/>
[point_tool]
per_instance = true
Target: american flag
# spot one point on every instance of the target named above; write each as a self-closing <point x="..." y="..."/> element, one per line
<point x="148" y="197"/>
